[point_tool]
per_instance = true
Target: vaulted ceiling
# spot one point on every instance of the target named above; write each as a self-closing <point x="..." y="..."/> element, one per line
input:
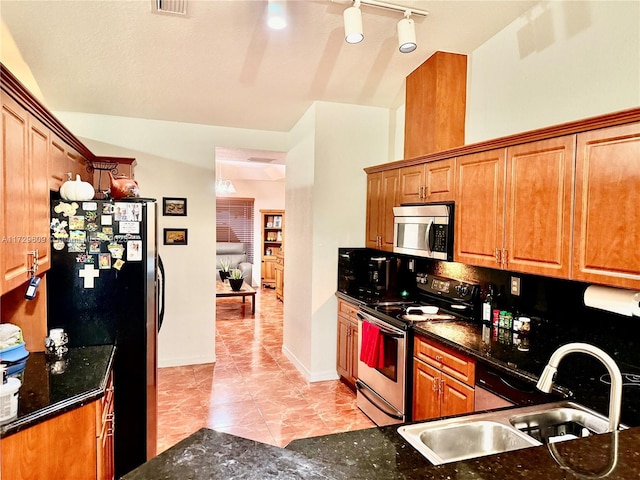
<point x="221" y="65"/>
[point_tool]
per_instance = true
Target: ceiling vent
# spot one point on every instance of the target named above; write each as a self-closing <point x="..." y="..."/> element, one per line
<point x="261" y="160"/>
<point x="172" y="7"/>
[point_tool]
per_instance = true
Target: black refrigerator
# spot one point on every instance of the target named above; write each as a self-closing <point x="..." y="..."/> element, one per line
<point x="103" y="288"/>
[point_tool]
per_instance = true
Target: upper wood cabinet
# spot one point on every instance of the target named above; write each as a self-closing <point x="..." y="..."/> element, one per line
<point x="382" y="195"/>
<point x="479" y="209"/>
<point x="65" y="163"/>
<point x="24" y="218"/>
<point x="606" y="247"/>
<point x="514" y="207"/>
<point x="539" y="199"/>
<point x="435" y="105"/>
<point x="428" y="182"/>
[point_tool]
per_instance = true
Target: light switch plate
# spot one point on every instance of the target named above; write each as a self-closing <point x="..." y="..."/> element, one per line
<point x="515" y="285"/>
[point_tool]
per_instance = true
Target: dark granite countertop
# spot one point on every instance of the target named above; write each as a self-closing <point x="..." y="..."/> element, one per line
<point x="583" y="378"/>
<point x="382" y="453"/>
<point x="51" y="387"/>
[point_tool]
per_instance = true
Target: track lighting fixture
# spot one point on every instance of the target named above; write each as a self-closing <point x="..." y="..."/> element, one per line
<point x="353" y="32"/>
<point x="353" y="24"/>
<point x="277" y="14"/>
<point x="407" y="34"/>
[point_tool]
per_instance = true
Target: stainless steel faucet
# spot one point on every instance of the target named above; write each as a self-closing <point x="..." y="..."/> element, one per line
<point x="545" y="383"/>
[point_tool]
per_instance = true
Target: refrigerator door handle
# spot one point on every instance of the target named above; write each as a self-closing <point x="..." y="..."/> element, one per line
<point x="160" y="292"/>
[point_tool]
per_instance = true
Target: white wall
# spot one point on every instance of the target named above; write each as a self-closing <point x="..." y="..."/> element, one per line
<point x="185" y="170"/>
<point x="326" y="207"/>
<point x="562" y="61"/>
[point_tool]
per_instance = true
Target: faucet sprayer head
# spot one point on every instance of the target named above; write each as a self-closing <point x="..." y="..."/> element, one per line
<point x="545" y="383"/>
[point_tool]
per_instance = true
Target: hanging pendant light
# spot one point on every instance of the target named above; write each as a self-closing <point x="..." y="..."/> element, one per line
<point x="224" y="187"/>
<point x="407" y="34"/>
<point x="353" y="32"/>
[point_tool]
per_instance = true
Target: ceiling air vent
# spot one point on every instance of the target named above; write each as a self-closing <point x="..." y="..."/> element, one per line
<point x="173" y="7"/>
<point x="261" y="159"/>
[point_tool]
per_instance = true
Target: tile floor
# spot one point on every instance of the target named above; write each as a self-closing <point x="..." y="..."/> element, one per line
<point x="252" y="390"/>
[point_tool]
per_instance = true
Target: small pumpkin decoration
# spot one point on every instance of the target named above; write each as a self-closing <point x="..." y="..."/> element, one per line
<point x="77" y="190"/>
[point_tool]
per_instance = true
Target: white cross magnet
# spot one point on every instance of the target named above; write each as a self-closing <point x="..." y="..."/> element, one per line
<point x="89" y="274"/>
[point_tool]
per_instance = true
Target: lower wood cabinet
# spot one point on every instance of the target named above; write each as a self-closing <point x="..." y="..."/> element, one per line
<point x="347" y="355"/>
<point x="77" y="444"/>
<point x="443" y="381"/>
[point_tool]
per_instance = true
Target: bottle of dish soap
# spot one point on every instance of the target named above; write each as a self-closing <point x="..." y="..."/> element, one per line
<point x="8" y="396"/>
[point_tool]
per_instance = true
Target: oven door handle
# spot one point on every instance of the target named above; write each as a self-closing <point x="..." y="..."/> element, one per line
<point x="364" y="390"/>
<point x="383" y="330"/>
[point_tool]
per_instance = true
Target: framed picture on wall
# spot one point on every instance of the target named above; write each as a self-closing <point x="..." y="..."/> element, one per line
<point x="175" y="207"/>
<point x="175" y="236"/>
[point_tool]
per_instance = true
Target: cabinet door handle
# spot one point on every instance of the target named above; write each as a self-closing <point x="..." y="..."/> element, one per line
<point x="498" y="256"/>
<point x="442" y="387"/>
<point x="505" y="257"/>
<point x="435" y="384"/>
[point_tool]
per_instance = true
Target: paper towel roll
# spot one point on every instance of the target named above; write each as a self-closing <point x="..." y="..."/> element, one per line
<point x="616" y="300"/>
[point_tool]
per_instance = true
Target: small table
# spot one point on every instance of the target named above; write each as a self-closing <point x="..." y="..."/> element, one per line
<point x="223" y="289"/>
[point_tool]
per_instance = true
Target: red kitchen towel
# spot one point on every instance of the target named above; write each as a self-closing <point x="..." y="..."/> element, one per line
<point x="372" y="347"/>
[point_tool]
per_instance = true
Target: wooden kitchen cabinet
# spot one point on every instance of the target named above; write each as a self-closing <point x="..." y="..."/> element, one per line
<point x="347" y="351"/>
<point x="479" y="210"/>
<point x="435" y="105"/>
<point x="428" y="182"/>
<point x="382" y="196"/>
<point x="76" y="444"/>
<point x="65" y="163"/>
<point x="514" y="207"/>
<point x="24" y="220"/>
<point x="606" y="246"/>
<point x="443" y="380"/>
<point x="105" y="460"/>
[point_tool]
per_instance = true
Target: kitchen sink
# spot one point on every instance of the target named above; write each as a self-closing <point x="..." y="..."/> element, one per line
<point x="478" y="435"/>
<point x="561" y="423"/>
<point x="449" y="442"/>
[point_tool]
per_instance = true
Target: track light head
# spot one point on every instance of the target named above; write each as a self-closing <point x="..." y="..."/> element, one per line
<point x="276" y="14"/>
<point x="407" y="34"/>
<point x="353" y="32"/>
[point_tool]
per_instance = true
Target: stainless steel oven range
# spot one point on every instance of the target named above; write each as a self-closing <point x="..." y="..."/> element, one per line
<point x="385" y="343"/>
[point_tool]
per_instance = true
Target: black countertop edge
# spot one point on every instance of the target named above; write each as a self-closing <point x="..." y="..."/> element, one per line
<point x="380" y="452"/>
<point x="60" y="407"/>
<point x="349" y="299"/>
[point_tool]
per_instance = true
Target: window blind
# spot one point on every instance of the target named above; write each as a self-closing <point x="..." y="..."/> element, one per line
<point x="234" y="222"/>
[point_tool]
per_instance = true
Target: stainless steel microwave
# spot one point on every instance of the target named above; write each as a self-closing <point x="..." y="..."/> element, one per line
<point x="424" y="230"/>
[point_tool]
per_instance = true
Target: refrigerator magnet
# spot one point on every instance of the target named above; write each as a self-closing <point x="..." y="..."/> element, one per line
<point x="76" y="222"/>
<point x="90" y="216"/>
<point x="58" y="245"/>
<point x="94" y="246"/>
<point x="134" y="250"/>
<point x="104" y="261"/>
<point x="93" y="206"/>
<point x="106" y="220"/>
<point x="129" y="227"/>
<point x="116" y="250"/>
<point x="89" y="274"/>
<point x="66" y="209"/>
<point x="118" y="264"/>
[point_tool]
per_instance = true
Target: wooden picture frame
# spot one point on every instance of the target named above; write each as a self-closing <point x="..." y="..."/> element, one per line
<point x="175" y="236"/>
<point x="174" y="206"/>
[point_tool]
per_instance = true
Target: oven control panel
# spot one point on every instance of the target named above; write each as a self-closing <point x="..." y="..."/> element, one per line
<point x="446" y="287"/>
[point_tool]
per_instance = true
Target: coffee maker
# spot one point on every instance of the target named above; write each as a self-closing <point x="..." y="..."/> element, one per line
<point x="366" y="274"/>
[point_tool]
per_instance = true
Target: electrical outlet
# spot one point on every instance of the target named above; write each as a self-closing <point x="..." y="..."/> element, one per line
<point x="515" y="285"/>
